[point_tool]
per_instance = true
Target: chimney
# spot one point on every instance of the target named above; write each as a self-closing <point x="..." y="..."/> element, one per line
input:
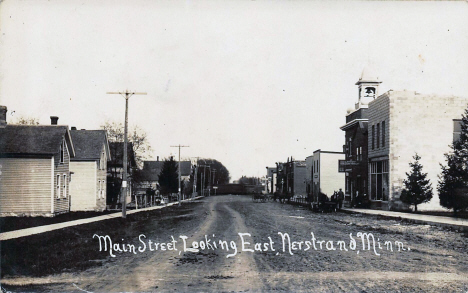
<point x="53" y="120"/>
<point x="3" y="112"/>
<point x="73" y="128"/>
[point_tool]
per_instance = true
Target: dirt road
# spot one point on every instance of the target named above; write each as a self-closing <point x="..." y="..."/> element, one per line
<point x="229" y="243"/>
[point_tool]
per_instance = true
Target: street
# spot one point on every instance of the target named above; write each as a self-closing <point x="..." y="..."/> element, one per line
<point x="229" y="243"/>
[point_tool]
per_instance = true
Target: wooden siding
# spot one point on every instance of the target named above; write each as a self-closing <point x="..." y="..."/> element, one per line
<point x="62" y="204"/>
<point x="83" y="186"/>
<point x="330" y="179"/>
<point x="102" y="175"/>
<point x="25" y="186"/>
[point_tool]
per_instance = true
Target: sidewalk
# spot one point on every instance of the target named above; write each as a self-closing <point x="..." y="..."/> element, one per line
<point x="47" y="228"/>
<point x="457" y="223"/>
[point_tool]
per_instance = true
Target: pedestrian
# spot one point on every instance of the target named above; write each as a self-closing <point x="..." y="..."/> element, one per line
<point x="340" y="199"/>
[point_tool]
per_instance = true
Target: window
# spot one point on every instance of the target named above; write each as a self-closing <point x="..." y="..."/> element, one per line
<point x="101" y="189"/>
<point x="372" y="136"/>
<point x="379" y="180"/>
<point x="101" y="162"/>
<point x="341" y="166"/>
<point x="347" y="184"/>
<point x="62" y="150"/>
<point x="383" y="133"/>
<point x="359" y="154"/>
<point x="456" y="129"/>
<point x="58" y="186"/>
<point x="378" y="135"/>
<point x="350" y="148"/>
<point x="64" y="186"/>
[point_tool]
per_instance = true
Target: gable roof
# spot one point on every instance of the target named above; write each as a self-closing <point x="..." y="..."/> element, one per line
<point x="185" y="168"/>
<point x="88" y="144"/>
<point x="151" y="170"/>
<point x="34" y="139"/>
<point x="117" y="150"/>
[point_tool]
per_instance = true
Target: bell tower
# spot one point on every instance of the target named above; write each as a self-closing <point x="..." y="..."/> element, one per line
<point x="368" y="86"/>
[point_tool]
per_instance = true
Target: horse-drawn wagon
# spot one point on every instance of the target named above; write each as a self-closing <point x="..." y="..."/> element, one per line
<point x="322" y="203"/>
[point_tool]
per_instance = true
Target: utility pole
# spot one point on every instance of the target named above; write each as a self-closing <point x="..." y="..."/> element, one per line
<point x="203" y="175"/>
<point x="195" y="179"/>
<point x="126" y="95"/>
<point x="209" y="181"/>
<point x="179" y="146"/>
<point x="213" y="173"/>
<point x="214" y="176"/>
<point x="201" y="184"/>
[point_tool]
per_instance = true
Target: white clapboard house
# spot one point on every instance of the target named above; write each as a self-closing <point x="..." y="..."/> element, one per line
<point x="35" y="168"/>
<point x="89" y="170"/>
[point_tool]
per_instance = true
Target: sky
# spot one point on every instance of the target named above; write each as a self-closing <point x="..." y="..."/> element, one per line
<point x="248" y="83"/>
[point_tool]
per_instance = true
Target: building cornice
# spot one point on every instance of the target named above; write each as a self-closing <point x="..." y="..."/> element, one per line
<point x="353" y="123"/>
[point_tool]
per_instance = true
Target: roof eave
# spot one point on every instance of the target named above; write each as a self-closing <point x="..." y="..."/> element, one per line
<point x="352" y="123"/>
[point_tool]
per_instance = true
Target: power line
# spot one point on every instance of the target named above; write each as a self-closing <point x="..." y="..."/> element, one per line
<point x="179" y="146"/>
<point x="126" y="95"/>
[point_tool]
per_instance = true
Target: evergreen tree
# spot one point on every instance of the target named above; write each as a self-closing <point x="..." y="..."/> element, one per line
<point x="168" y="178"/>
<point x="453" y="182"/>
<point x="417" y="188"/>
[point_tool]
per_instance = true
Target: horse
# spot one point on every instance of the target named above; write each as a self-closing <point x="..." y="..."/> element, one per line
<point x="282" y="197"/>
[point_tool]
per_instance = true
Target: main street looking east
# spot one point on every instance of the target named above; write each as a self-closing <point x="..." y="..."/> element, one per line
<point x="230" y="243"/>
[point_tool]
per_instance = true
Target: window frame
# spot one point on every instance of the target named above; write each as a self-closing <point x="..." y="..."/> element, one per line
<point x="64" y="193"/>
<point x="383" y="133"/>
<point x="57" y="186"/>
<point x="378" y="135"/>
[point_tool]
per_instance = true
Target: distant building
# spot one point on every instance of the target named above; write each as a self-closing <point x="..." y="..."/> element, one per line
<point x="355" y="164"/>
<point x="152" y="169"/>
<point x="88" y="188"/>
<point x="150" y="174"/>
<point x="270" y="180"/>
<point x="35" y="168"/>
<point x="308" y="180"/>
<point x="402" y="123"/>
<point x="326" y="176"/>
<point x="115" y="172"/>
<point x="291" y="177"/>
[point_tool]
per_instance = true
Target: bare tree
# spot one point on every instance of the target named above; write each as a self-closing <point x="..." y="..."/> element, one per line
<point x="22" y="120"/>
<point x="136" y="135"/>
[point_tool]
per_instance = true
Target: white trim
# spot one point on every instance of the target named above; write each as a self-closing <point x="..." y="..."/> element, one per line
<point x="352" y="123"/>
<point x="52" y="185"/>
<point x="65" y="185"/>
<point x="95" y="188"/>
<point x="57" y="184"/>
<point x="71" y="144"/>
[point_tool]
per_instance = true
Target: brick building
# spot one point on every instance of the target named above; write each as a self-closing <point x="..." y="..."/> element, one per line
<point x="400" y="124"/>
<point x="291" y="177"/>
<point x="356" y="141"/>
